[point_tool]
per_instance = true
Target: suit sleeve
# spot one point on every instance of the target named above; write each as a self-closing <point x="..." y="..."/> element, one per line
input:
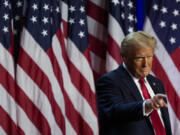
<point x="112" y="105"/>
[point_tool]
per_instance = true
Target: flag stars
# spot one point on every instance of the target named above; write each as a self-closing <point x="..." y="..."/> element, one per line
<point x="71" y="21"/>
<point x="6" y="3"/>
<point x="130" y="17"/>
<point x="115" y="2"/>
<point x="130" y="4"/>
<point x="57" y="10"/>
<point x="175" y="12"/>
<point x="81" y="34"/>
<point x="162" y="24"/>
<point x="35" y="7"/>
<point x="6" y="17"/>
<point x="122" y="15"/>
<point x="174" y="26"/>
<point x="19" y="4"/>
<point x="130" y="30"/>
<point x="81" y="22"/>
<point x="172" y="40"/>
<point x="46" y="7"/>
<point x="34" y="19"/>
<point x="82" y="9"/>
<point x="72" y="9"/>
<point x="155" y="7"/>
<point x="45" y="20"/>
<point x="164" y="10"/>
<point x="5" y="29"/>
<point x="44" y="33"/>
<point x="122" y="3"/>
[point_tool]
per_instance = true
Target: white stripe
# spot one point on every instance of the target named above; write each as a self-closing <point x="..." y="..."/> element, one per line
<point x="97" y="63"/>
<point x="43" y="61"/>
<point x="165" y="59"/>
<point x="175" y="123"/>
<point x="6" y="60"/>
<point x="78" y="101"/>
<point x="100" y="3"/>
<point x="115" y="30"/>
<point x="111" y="63"/>
<point x="64" y="11"/>
<point x="16" y="113"/>
<point x="36" y="95"/>
<point x="2" y="132"/>
<point x="81" y="63"/>
<point x="96" y="29"/>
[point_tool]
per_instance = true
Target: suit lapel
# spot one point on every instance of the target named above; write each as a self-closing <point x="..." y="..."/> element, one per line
<point x="153" y="85"/>
<point x="130" y="84"/>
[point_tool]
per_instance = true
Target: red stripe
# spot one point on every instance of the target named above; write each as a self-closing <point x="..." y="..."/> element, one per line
<point x="170" y="91"/>
<point x="42" y="81"/>
<point x="114" y="49"/>
<point x="97" y="13"/>
<point x="19" y="96"/>
<point x="175" y="58"/>
<point x="65" y="29"/>
<point x="8" y="124"/>
<point x="97" y="47"/>
<point x="74" y="117"/>
<point x="77" y="78"/>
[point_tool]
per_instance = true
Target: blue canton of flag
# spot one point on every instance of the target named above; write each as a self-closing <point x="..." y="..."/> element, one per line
<point x="43" y="21"/>
<point x="125" y="13"/>
<point x="165" y="18"/>
<point x="77" y="24"/>
<point x="5" y="23"/>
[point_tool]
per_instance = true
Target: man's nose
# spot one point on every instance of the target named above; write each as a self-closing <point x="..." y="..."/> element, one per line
<point x="145" y="62"/>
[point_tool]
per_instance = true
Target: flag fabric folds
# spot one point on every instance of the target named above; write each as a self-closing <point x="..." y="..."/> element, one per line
<point x="50" y="90"/>
<point x="163" y="19"/>
<point x="53" y="51"/>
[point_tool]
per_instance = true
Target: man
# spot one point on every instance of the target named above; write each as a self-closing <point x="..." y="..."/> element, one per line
<point x="130" y="100"/>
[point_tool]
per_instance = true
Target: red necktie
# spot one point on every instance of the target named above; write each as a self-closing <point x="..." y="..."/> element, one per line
<point x="155" y="119"/>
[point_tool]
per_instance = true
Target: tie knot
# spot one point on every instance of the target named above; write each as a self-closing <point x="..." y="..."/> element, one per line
<point x="141" y="80"/>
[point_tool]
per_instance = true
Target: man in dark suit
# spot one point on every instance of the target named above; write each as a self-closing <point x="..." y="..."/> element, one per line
<point x="130" y="100"/>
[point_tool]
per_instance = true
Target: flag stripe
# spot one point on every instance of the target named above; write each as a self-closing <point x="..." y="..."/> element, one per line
<point x="2" y="132"/>
<point x="173" y="97"/>
<point x="41" y="88"/>
<point x="174" y="121"/>
<point x="113" y="47"/>
<point x="69" y="106"/>
<point x="98" y="31"/>
<point x="98" y="47"/>
<point x="165" y="60"/>
<point x="74" y="73"/>
<point x="7" y="124"/>
<point x="6" y="60"/>
<point x="87" y="115"/>
<point x="14" y="94"/>
<point x="175" y="59"/>
<point x="97" y="13"/>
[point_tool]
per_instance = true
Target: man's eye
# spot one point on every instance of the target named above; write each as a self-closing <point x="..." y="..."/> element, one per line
<point x="139" y="58"/>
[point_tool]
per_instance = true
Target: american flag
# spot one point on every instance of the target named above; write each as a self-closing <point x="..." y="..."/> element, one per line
<point x="51" y="91"/>
<point x="163" y="22"/>
<point x="7" y="80"/>
<point x="65" y="46"/>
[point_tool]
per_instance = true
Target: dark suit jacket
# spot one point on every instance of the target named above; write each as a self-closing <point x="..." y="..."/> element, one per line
<point x="120" y="105"/>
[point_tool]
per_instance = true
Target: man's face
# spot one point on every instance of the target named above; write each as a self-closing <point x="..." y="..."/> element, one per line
<point x="139" y="61"/>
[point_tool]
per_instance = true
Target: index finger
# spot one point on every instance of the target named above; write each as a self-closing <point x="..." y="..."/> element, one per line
<point x="161" y="95"/>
